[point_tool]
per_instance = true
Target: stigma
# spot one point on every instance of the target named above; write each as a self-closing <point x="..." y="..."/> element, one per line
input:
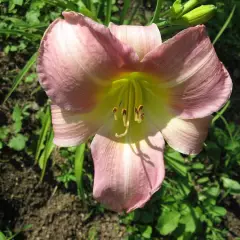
<point x="129" y="106"/>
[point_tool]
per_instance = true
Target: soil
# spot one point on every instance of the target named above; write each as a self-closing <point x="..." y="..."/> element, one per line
<point x="53" y="213"/>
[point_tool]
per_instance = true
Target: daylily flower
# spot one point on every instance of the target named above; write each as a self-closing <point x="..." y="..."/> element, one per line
<point x="132" y="90"/>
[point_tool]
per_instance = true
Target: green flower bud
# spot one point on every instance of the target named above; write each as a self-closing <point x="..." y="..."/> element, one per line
<point x="197" y="16"/>
<point x="176" y="8"/>
<point x="189" y="5"/>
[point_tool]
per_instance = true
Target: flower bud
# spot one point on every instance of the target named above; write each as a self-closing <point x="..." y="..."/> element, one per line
<point x="189" y="5"/>
<point x="197" y="16"/>
<point x="176" y="8"/>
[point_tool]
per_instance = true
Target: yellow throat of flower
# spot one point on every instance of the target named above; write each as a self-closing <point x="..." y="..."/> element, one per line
<point x="133" y="91"/>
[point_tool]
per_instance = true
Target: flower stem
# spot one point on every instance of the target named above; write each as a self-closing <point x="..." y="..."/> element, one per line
<point x="157" y="11"/>
<point x="225" y="24"/>
<point x="163" y="24"/>
<point x="220" y="113"/>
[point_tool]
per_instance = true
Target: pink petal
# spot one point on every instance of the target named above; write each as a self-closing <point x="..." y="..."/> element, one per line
<point x="187" y="136"/>
<point x="72" y="128"/>
<point x="188" y="64"/>
<point x="77" y="57"/>
<point x="142" y="39"/>
<point x="129" y="170"/>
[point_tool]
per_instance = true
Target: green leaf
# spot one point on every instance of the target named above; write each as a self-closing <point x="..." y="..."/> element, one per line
<point x="16" y="115"/>
<point x="43" y="133"/>
<point x="17" y="118"/>
<point x="222" y="137"/>
<point x="4" y="131"/>
<point x="147" y="233"/>
<point x="126" y="6"/>
<point x="18" y="142"/>
<point x="32" y="17"/>
<point x="92" y="233"/>
<point x="168" y="222"/>
<point x="2" y="236"/>
<point x="21" y="75"/>
<point x="31" y="36"/>
<point x="78" y="168"/>
<point x="232" y="185"/>
<point x="198" y="166"/>
<point x="30" y="78"/>
<point x="18" y="2"/>
<point x="189" y="220"/>
<point x="46" y="154"/>
<point x="37" y="4"/>
<point x="203" y="180"/>
<point x="212" y="192"/>
<point x="176" y="162"/>
<point x="233" y="146"/>
<point x="218" y="211"/>
<point x="183" y="186"/>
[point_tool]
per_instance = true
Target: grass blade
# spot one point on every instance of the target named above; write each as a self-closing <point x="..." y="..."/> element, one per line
<point x="109" y="12"/>
<point x="31" y="36"/>
<point x="225" y="25"/>
<point x="78" y="168"/>
<point x="21" y="75"/>
<point x="124" y="11"/>
<point x="43" y="134"/>
<point x="46" y="154"/>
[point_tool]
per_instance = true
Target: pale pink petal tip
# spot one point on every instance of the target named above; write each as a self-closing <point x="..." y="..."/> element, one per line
<point x="187" y="136"/>
<point x="126" y="175"/>
<point x="143" y="39"/>
<point x="71" y="128"/>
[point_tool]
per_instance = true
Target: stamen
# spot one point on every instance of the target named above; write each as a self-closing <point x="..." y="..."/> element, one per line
<point x="115" y="113"/>
<point x="138" y="92"/>
<point x="122" y="95"/>
<point x="140" y="108"/>
<point x="124" y="115"/>
<point x="136" y="114"/>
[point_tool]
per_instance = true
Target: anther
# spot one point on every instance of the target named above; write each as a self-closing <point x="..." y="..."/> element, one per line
<point x="140" y="108"/>
<point x="135" y="114"/>
<point x="115" y="113"/>
<point x="124" y="115"/>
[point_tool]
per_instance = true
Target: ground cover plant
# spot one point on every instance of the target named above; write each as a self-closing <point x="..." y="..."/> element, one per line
<point x="46" y="191"/>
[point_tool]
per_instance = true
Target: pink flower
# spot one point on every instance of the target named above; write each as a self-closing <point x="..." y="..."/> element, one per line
<point x="133" y="91"/>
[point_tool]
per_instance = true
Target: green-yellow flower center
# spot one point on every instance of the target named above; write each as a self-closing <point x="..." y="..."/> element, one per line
<point x="132" y="90"/>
